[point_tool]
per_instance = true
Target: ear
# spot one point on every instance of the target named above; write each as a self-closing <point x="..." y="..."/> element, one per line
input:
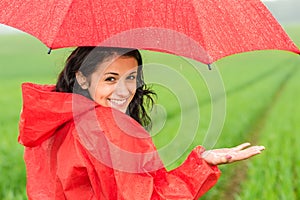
<point x="82" y="80"/>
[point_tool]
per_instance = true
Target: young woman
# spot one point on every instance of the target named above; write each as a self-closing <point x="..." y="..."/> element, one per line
<point x="84" y="137"/>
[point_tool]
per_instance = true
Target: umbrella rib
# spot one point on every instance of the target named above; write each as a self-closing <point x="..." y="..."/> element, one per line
<point x="60" y="25"/>
<point x="94" y="19"/>
<point x="201" y="35"/>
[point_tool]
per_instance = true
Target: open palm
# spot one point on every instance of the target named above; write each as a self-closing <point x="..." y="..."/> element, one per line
<point x="229" y="155"/>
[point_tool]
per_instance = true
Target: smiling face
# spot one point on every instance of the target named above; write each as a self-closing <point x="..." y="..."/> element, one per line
<point x="113" y="84"/>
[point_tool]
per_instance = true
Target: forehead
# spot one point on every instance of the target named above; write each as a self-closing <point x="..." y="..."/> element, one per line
<point x="119" y="64"/>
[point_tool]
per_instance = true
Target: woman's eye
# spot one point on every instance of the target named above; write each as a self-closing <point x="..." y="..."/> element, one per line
<point x="131" y="77"/>
<point x="110" y="79"/>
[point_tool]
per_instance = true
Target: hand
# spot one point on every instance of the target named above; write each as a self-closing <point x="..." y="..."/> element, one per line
<point x="229" y="155"/>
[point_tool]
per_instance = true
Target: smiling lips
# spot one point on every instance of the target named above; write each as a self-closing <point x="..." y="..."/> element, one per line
<point x="118" y="102"/>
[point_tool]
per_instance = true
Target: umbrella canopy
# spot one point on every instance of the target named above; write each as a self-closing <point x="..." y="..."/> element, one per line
<point x="204" y="30"/>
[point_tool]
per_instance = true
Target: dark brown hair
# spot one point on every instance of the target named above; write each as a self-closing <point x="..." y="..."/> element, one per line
<point x="86" y="60"/>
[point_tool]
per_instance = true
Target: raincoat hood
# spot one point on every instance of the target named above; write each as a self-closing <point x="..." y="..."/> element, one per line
<point x="40" y="101"/>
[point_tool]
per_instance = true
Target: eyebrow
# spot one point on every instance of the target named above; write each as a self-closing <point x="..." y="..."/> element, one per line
<point x="116" y="74"/>
<point x="112" y="73"/>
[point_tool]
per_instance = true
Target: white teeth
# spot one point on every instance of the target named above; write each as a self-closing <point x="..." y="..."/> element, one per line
<point x="118" y="101"/>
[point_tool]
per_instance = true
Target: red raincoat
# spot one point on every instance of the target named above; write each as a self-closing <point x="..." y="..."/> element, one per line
<point x="76" y="149"/>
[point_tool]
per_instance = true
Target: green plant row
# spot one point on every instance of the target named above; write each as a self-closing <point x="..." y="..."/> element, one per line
<point x="252" y="88"/>
<point x="276" y="174"/>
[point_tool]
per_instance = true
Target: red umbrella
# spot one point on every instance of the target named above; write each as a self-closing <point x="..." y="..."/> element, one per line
<point x="205" y="30"/>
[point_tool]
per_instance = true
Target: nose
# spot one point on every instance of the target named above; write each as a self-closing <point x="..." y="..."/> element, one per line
<point x="122" y="89"/>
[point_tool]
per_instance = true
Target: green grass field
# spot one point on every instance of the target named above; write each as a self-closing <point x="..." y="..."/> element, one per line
<point x="262" y="95"/>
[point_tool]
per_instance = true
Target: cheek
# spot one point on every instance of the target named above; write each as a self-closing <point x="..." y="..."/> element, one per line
<point x="132" y="87"/>
<point x="101" y="93"/>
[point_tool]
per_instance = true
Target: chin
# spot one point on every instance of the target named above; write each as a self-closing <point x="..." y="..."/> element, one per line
<point x="123" y="110"/>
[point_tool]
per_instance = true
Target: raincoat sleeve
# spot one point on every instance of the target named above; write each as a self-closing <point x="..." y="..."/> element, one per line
<point x="189" y="181"/>
<point x="130" y="164"/>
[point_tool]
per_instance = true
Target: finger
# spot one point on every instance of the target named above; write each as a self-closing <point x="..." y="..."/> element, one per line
<point x="242" y="146"/>
<point x="247" y="153"/>
<point x="261" y="148"/>
<point x="253" y="149"/>
<point x="223" y="159"/>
